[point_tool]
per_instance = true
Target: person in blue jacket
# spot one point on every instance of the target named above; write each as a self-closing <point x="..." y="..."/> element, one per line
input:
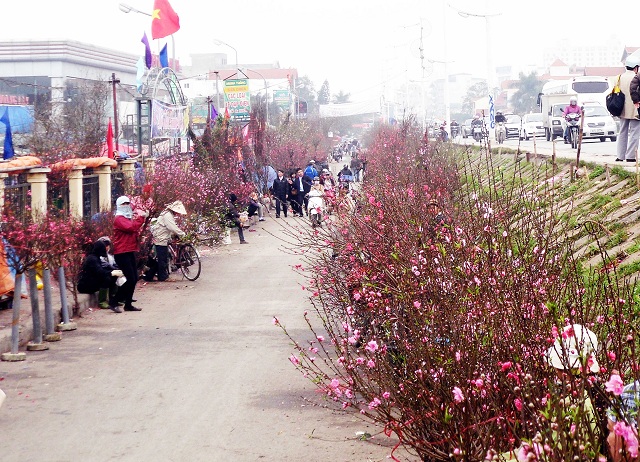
<point x="311" y="171"/>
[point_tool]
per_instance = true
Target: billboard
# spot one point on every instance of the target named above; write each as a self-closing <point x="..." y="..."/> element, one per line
<point x="282" y="98"/>
<point x="168" y="120"/>
<point x="237" y="99"/>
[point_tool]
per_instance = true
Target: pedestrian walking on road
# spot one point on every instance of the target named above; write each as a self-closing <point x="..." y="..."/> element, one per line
<point x="280" y="190"/>
<point x="311" y="171"/>
<point x="126" y="227"/>
<point x="294" y="192"/>
<point x="303" y="184"/>
<point x="629" y="134"/>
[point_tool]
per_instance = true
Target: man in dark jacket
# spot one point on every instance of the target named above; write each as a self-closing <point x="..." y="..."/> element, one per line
<point x="280" y="190"/>
<point x="303" y="184"/>
<point x="233" y="216"/>
<point x="94" y="276"/>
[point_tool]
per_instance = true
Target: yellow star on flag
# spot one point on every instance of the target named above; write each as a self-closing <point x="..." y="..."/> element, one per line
<point x="155" y="14"/>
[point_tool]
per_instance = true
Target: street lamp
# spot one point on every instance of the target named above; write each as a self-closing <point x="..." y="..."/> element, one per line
<point x="446" y="98"/>
<point x="487" y="17"/>
<point x="220" y="42"/>
<point x="266" y="93"/>
<point x="128" y="9"/>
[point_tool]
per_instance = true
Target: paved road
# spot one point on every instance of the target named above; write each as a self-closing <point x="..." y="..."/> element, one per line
<point x="201" y="374"/>
<point x="592" y="150"/>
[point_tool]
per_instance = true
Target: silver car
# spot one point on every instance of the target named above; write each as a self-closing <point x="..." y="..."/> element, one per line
<point x="532" y="126"/>
<point x="598" y="123"/>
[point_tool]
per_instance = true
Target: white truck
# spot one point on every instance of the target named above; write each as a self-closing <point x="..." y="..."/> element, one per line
<point x="551" y="107"/>
<point x="556" y="95"/>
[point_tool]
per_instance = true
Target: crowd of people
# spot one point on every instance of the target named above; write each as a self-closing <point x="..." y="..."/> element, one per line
<point x="111" y="267"/>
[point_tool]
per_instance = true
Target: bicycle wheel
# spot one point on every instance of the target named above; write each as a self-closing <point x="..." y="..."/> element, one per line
<point x="189" y="262"/>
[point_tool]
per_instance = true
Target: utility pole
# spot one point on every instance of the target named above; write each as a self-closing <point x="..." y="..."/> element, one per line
<point x="217" y="91"/>
<point x="208" y="112"/>
<point x="113" y="83"/>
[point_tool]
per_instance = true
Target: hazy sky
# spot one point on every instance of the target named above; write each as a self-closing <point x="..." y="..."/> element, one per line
<point x="360" y="46"/>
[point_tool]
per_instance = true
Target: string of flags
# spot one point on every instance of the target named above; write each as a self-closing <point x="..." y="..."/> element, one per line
<point x="164" y="22"/>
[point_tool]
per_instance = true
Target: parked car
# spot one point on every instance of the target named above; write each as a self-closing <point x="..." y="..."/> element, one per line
<point x="512" y="125"/>
<point x="598" y="123"/>
<point x="532" y="126"/>
<point x="465" y="128"/>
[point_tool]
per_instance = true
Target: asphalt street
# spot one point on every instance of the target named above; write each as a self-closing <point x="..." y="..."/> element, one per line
<point x="200" y="374"/>
<point x="591" y="151"/>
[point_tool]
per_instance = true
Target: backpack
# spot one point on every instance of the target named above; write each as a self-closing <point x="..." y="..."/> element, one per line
<point x="615" y="100"/>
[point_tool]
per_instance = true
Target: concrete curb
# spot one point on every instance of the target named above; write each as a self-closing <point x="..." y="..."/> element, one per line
<point x="26" y="324"/>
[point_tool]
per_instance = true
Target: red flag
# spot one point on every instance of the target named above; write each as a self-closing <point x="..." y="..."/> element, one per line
<point x="164" y="21"/>
<point x="226" y="113"/>
<point x="110" y="139"/>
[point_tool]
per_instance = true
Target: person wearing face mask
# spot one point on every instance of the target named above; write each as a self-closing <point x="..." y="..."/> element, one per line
<point x="126" y="226"/>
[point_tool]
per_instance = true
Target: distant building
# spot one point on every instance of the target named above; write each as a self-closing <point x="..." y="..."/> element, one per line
<point x="576" y="53"/>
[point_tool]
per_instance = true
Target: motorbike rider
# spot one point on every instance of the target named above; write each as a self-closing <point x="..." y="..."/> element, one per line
<point x="572" y="108"/>
<point x="455" y="128"/>
<point x="316" y="197"/>
<point x="442" y="134"/>
<point x="500" y="117"/>
<point x="477" y="123"/>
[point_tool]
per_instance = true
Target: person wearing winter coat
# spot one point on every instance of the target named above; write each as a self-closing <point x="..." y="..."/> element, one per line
<point x="126" y="227"/>
<point x="93" y="276"/>
<point x="280" y="190"/>
<point x="109" y="263"/>
<point x="232" y="217"/>
<point x="629" y="133"/>
<point x="163" y="231"/>
<point x="311" y="171"/>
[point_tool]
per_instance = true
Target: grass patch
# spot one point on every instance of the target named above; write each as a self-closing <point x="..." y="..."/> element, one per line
<point x="621" y="172"/>
<point x="628" y="270"/>
<point x="617" y="239"/>
<point x="599" y="201"/>
<point x="634" y="248"/>
<point x="596" y="171"/>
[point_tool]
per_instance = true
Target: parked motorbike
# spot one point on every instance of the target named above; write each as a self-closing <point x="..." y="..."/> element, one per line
<point x="315" y="207"/>
<point x="573" y="123"/>
<point x="501" y="132"/>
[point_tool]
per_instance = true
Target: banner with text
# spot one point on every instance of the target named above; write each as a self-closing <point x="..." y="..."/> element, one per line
<point x="282" y="98"/>
<point x="168" y="120"/>
<point x="237" y="99"/>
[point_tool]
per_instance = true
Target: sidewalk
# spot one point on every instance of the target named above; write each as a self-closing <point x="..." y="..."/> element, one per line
<point x="85" y="302"/>
<point x="26" y="320"/>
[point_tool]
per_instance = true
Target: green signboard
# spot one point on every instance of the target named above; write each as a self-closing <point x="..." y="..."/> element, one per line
<point x="282" y="98"/>
<point x="237" y="99"/>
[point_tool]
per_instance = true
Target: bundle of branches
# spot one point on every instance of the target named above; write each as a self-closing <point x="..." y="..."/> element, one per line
<point x="438" y="301"/>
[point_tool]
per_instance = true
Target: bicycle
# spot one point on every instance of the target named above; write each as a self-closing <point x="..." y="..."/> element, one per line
<point x="184" y="256"/>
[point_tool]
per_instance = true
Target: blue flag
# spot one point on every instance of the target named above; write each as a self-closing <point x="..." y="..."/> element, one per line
<point x="147" y="50"/>
<point x="8" y="141"/>
<point x="164" y="60"/>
